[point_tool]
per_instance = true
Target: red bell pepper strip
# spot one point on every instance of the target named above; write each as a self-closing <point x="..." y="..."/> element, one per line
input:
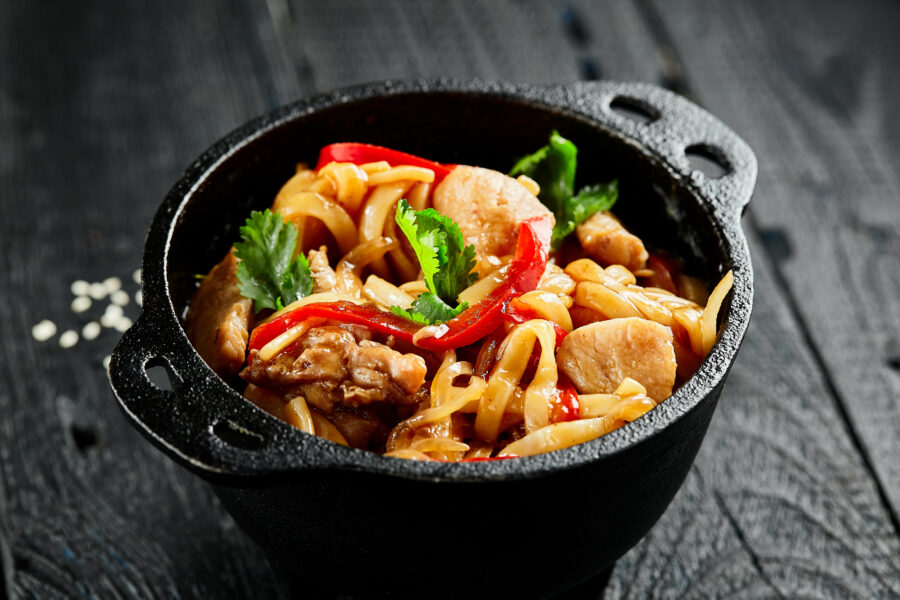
<point x="528" y="264"/>
<point x="566" y="407"/>
<point x="360" y="154"/>
<point x="346" y="312"/>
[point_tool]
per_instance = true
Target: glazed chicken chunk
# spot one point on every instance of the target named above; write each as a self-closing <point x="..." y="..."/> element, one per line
<point x="330" y="365"/>
<point x="219" y="319"/>
<point x="488" y="206"/>
<point x="597" y="357"/>
<point x="605" y="238"/>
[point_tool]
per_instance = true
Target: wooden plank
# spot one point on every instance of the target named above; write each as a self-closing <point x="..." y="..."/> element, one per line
<point x="488" y="40"/>
<point x="618" y="41"/>
<point x="798" y="88"/>
<point x="101" y="106"/>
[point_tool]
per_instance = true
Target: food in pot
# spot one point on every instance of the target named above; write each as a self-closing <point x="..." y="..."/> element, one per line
<point x="450" y="312"/>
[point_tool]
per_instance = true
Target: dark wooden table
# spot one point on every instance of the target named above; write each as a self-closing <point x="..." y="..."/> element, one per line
<point x="796" y="491"/>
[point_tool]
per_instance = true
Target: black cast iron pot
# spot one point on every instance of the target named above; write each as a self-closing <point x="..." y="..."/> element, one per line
<point x="360" y="523"/>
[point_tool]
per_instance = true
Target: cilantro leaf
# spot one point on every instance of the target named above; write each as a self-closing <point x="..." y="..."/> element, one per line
<point x="553" y="168"/>
<point x="428" y="309"/>
<point x="425" y="241"/>
<point x="578" y="209"/>
<point x="446" y="263"/>
<point x="268" y="273"/>
<point x="411" y="314"/>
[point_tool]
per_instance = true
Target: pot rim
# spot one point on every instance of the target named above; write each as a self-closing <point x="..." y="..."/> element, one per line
<point x="158" y="338"/>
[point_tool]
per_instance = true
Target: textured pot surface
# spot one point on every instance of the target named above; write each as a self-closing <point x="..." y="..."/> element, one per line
<point x="331" y="511"/>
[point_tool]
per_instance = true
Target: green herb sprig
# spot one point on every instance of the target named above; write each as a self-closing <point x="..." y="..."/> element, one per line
<point x="268" y="271"/>
<point x="446" y="264"/>
<point x="553" y="167"/>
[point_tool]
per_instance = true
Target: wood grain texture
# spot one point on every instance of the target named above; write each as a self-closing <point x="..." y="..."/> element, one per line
<point x="811" y="95"/>
<point x="102" y="109"/>
<point x="489" y="40"/>
<point x="781" y="478"/>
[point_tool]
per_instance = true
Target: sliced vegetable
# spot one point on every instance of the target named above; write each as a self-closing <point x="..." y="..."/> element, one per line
<point x="553" y="167"/>
<point x="565" y="407"/>
<point x="360" y="154"/>
<point x="446" y="264"/>
<point x="346" y="312"/>
<point x="526" y="268"/>
<point x="268" y="272"/>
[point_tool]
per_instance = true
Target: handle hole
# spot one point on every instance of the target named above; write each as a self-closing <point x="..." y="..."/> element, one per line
<point x="633" y="109"/>
<point x="237" y="435"/>
<point x="708" y="160"/>
<point x="161" y="374"/>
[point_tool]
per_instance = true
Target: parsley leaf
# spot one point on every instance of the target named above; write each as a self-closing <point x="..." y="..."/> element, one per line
<point x="446" y="263"/>
<point x="553" y="168"/>
<point x="268" y="273"/>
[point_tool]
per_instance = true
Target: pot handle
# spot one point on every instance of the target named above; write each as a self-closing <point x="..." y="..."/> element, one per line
<point x="203" y="424"/>
<point x="674" y="130"/>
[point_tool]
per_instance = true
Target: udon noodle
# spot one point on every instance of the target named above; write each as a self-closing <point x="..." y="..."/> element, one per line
<point x="597" y="342"/>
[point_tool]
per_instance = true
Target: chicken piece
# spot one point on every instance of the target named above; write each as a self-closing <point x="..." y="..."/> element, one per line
<point x="322" y="273"/>
<point x="218" y="319"/>
<point x="489" y="208"/>
<point x="330" y="365"/>
<point x="605" y="238"/>
<point x="269" y="401"/>
<point x="597" y="357"/>
<point x="363" y="428"/>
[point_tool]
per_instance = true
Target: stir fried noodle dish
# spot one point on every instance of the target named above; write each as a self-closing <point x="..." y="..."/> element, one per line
<point x="448" y="312"/>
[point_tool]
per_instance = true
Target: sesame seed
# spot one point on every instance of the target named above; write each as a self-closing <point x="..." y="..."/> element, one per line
<point x="122" y="324"/>
<point x="106" y="360"/>
<point x="97" y="291"/>
<point x="44" y="330"/>
<point x="91" y="330"/>
<point x="136" y="276"/>
<point x="68" y="339"/>
<point x="139" y="298"/>
<point x="81" y="304"/>
<point x="112" y="314"/>
<point x="80" y="287"/>
<point x="112" y="284"/>
<point x="120" y="297"/>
